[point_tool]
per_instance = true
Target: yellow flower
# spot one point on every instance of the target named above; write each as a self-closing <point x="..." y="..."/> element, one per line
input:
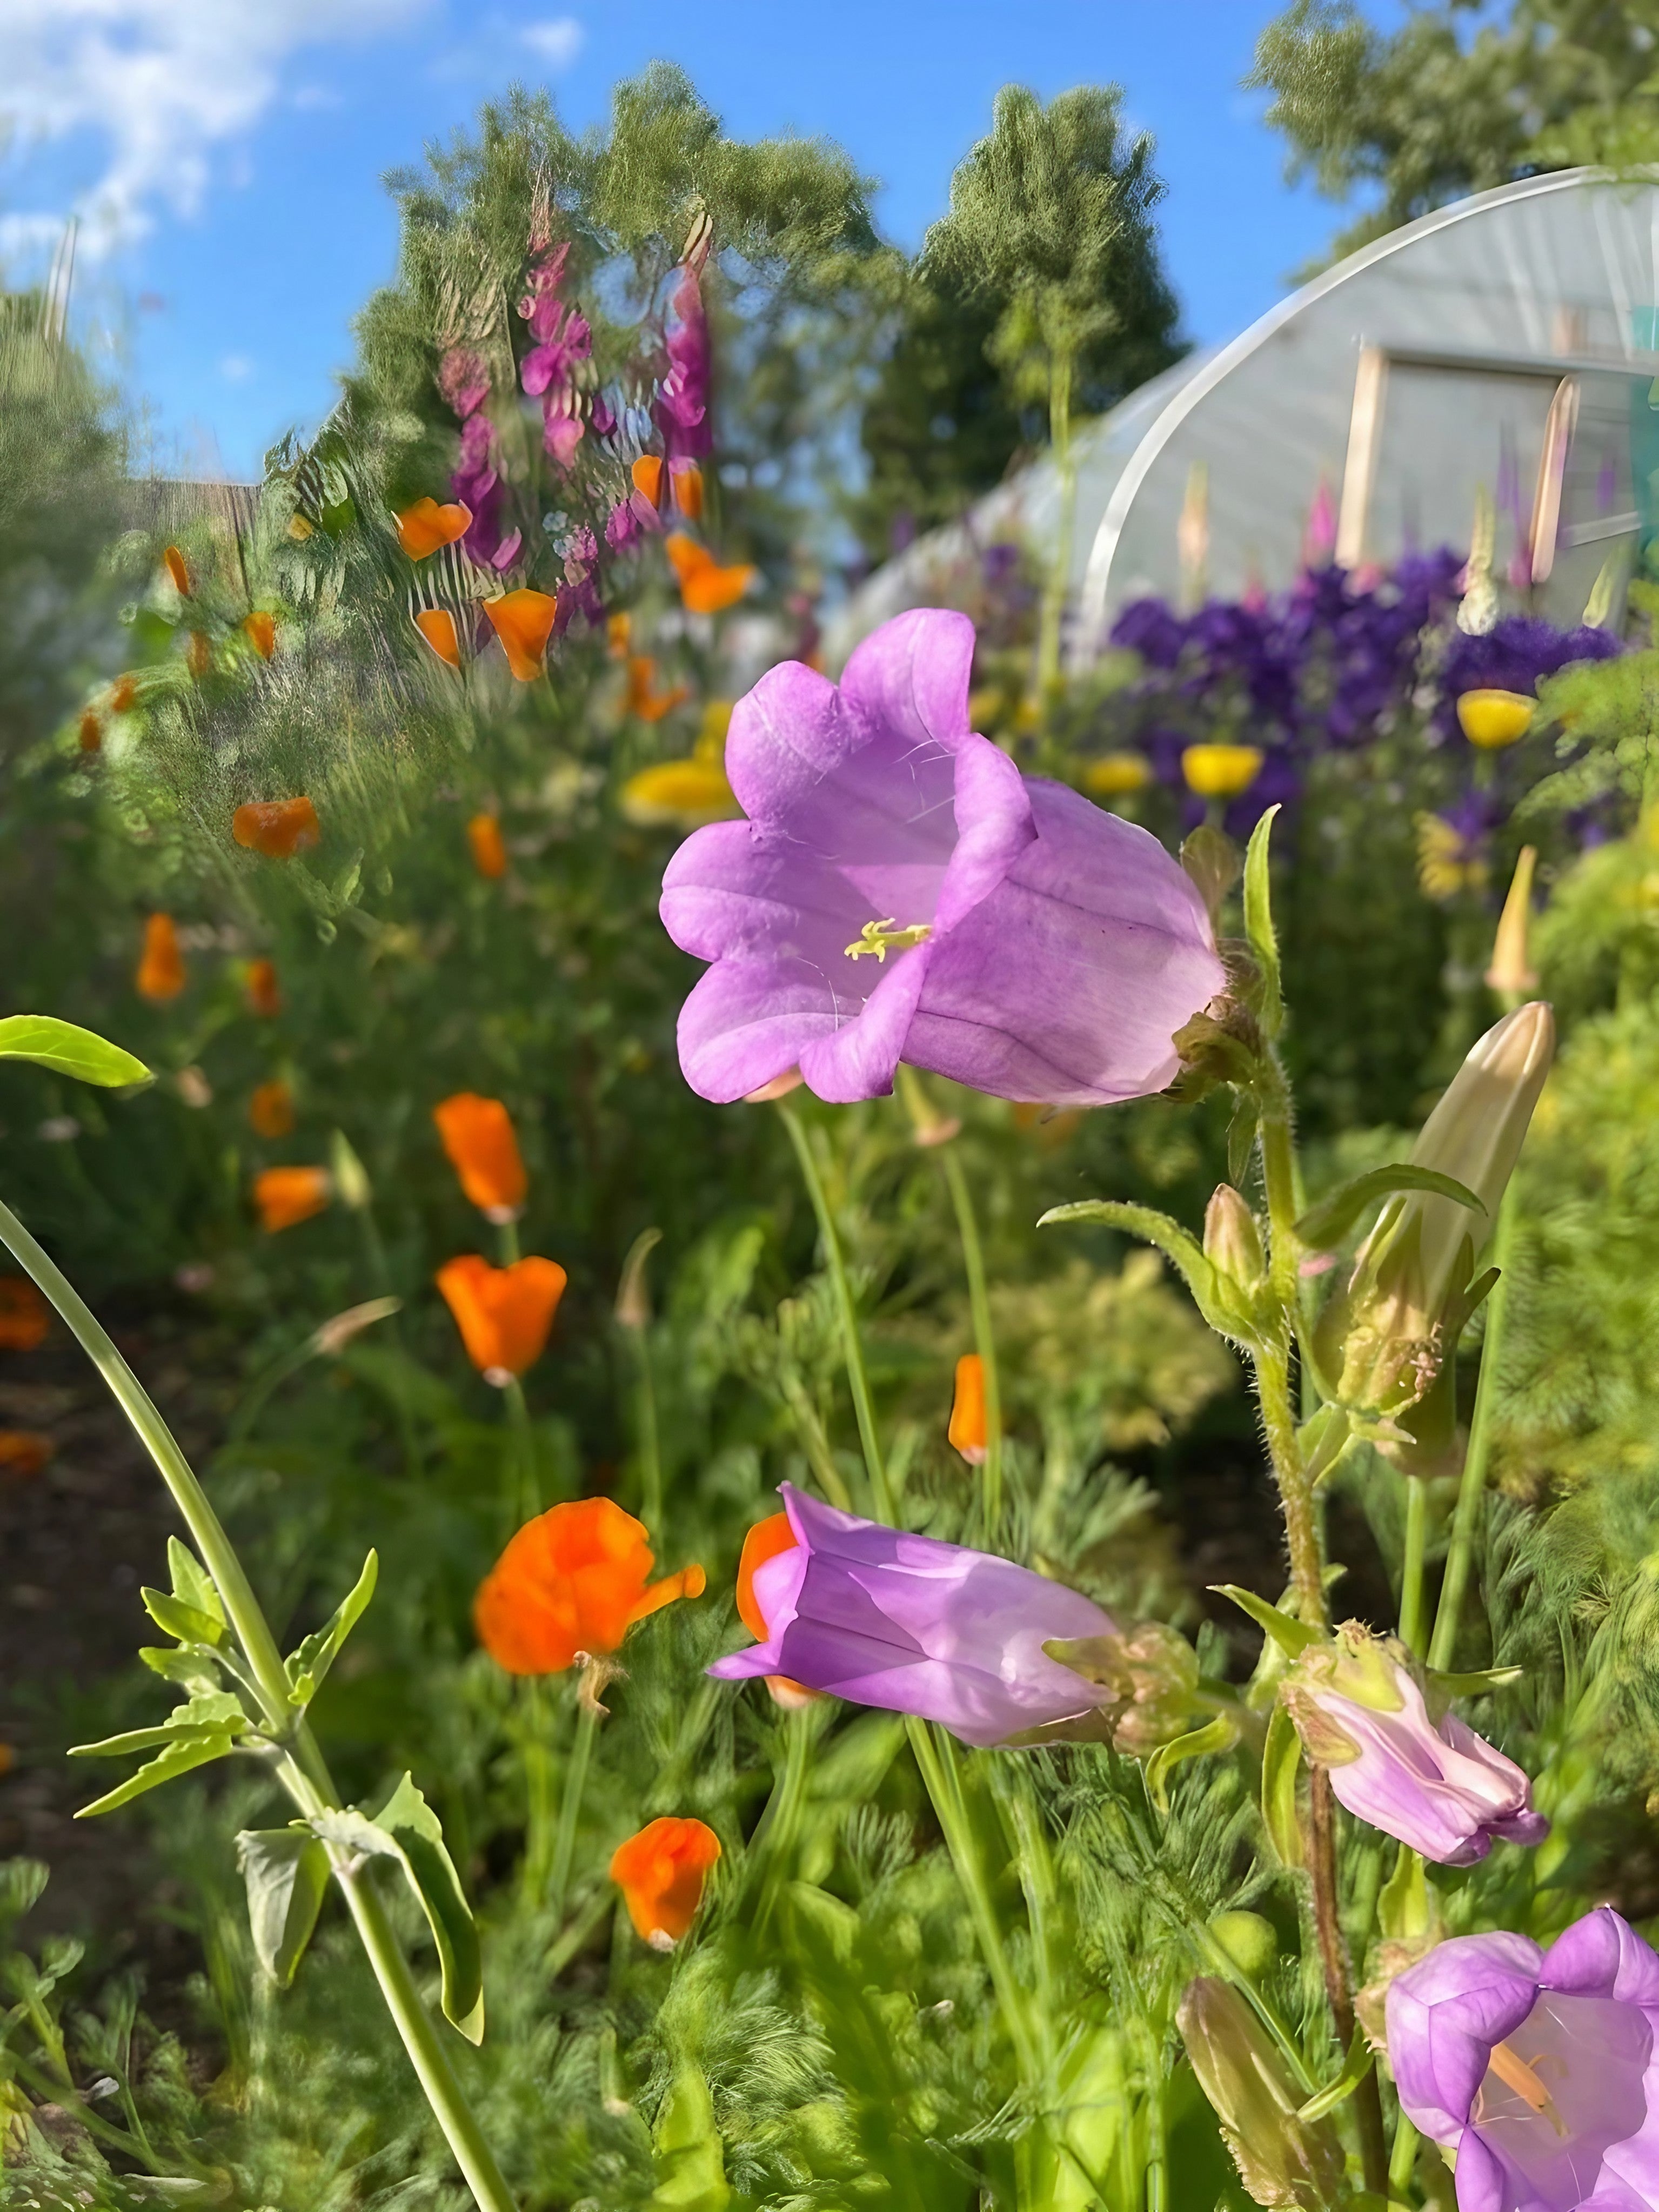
<point x="1447" y="861"/>
<point x="684" y="794"/>
<point x="1113" y="775"/>
<point x="1492" y="720"/>
<point x="1221" y="771"/>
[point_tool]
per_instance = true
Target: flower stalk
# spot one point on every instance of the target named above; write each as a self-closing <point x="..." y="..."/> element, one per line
<point x="1472" y="1485"/>
<point x="302" y="1771"/>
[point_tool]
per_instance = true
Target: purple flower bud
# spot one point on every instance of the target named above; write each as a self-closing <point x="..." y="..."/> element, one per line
<point x="901" y="892"/>
<point x="1536" y="2067"/>
<point x="1433" y="1785"/>
<point x="682" y="402"/>
<point x="867" y="1613"/>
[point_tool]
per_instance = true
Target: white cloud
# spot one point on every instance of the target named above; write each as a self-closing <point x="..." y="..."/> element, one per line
<point x="555" y="44"/>
<point x="159" y="86"/>
<point x="236" y="368"/>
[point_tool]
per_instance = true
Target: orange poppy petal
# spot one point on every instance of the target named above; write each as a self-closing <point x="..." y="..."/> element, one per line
<point x="287" y="1196"/>
<point x="689" y="1582"/>
<point x="688" y="489"/>
<point x="173" y="562"/>
<point x="261" y="629"/>
<point x="24" y="1452"/>
<point x="478" y="1137"/>
<point x="967" y="1429"/>
<point x="264" y="996"/>
<point x="662" y="1872"/>
<point x="504" y="1315"/>
<point x="271" y="1110"/>
<point x="763" y="1542"/>
<point x="437" y="626"/>
<point x="646" y="473"/>
<point x="25" y="1317"/>
<point x="567" y="1582"/>
<point x="161" y="974"/>
<point x="484" y="837"/>
<point x="523" y="620"/>
<point x="422" y="528"/>
<point x="278" y="827"/>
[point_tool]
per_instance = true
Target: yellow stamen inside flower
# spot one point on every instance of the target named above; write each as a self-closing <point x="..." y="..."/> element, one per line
<point x="1514" y="2072"/>
<point x="881" y="938"/>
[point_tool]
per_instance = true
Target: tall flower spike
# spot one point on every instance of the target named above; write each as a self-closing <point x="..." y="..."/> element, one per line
<point x="661" y="1874"/>
<point x="1536" y="2068"/>
<point x="573" y="1580"/>
<point x="1063" y="947"/>
<point x="913" y="1625"/>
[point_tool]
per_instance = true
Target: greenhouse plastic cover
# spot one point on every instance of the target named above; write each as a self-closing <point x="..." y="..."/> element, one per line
<point x="1506" y="344"/>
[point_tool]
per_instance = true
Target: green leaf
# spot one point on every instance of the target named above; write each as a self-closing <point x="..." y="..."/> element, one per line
<point x="306" y="1667"/>
<point x="1241" y="1138"/>
<point x="1281" y="1756"/>
<point x="204" y="1716"/>
<point x="1480" y="1684"/>
<point x="1208" y="1286"/>
<point x="186" y="1624"/>
<point x="192" y="1583"/>
<point x="181" y="1755"/>
<point x="1292" y="1636"/>
<point x="408" y="1829"/>
<point x="1355" y="2067"/>
<point x="69" y="1050"/>
<point x="1258" y="924"/>
<point x="1329" y="1221"/>
<point x="1406" y="1904"/>
<point x="1220" y="1735"/>
<point x="190" y="1670"/>
<point x="285" y="1870"/>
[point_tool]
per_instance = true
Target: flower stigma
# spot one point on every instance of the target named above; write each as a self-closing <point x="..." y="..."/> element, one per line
<point x="881" y="938"/>
<point x="1514" y="2072"/>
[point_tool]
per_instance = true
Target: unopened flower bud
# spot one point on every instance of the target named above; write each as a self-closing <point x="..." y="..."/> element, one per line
<point x="1232" y="1239"/>
<point x="1432" y="1784"/>
<point x="1152" y="1672"/>
<point x="351" y="1184"/>
<point x="1389" y="1332"/>
<point x="1511" y="974"/>
<point x="1281" y="2159"/>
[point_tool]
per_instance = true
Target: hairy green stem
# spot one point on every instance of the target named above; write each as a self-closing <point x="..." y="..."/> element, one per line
<point x="973" y="1261"/>
<point x="1411" y="1571"/>
<point x="570" y="1803"/>
<point x="538" y="1721"/>
<point x="1471" y="1490"/>
<point x="522" y="1452"/>
<point x="858" y="1377"/>
<point x="775" y="1837"/>
<point x="1403" y="2162"/>
<point x="303" y="1771"/>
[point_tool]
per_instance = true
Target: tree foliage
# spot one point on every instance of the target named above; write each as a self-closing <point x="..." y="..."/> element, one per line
<point x="1449" y="103"/>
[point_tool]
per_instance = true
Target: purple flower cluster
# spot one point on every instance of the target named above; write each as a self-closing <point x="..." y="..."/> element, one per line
<point x="682" y="403"/>
<point x="464" y="380"/>
<point x="1515" y="655"/>
<point x="563" y="338"/>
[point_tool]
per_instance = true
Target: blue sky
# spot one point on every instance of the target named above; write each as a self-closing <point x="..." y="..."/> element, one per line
<point x="228" y="155"/>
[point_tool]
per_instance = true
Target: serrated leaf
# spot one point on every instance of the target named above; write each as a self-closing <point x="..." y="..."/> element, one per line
<point x="285" y="1870"/>
<point x="211" y="1715"/>
<point x="408" y="1831"/>
<point x="306" y="1667"/>
<point x="183" y="1753"/>
<point x="1329" y="1222"/>
<point x="1292" y="1636"/>
<point x="1281" y="1758"/>
<point x="190" y="1670"/>
<point x="186" y="1624"/>
<point x="191" y="1583"/>
<point x="1220" y="1735"/>
<point x="1258" y="924"/>
<point x="1203" y="1279"/>
<point x="68" y="1049"/>
<point x="1355" y="2067"/>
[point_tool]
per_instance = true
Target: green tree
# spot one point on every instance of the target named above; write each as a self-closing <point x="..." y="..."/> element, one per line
<point x="1447" y="104"/>
<point x="1050" y="226"/>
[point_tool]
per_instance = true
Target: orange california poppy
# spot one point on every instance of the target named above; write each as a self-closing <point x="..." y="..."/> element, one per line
<point x="504" y="1314"/>
<point x="198" y="653"/>
<point x="575" y="1578"/>
<point x="764" y="1541"/>
<point x="260" y="630"/>
<point x="967" y="1429"/>
<point x="278" y="827"/>
<point x="161" y="974"/>
<point x="643" y="698"/>
<point x="618" y="628"/>
<point x="646" y="473"/>
<point x="265" y="993"/>
<point x="437" y="626"/>
<point x="23" y="1452"/>
<point x="660" y="1873"/>
<point x="687" y="480"/>
<point x="122" y="693"/>
<point x="477" y="1136"/>
<point x="271" y="1110"/>
<point x="25" y="1317"/>
<point x="92" y="730"/>
<point x="173" y="562"/>
<point x="422" y="528"/>
<point x="523" y="620"/>
<point x="287" y="1195"/>
<point x="705" y="588"/>
<point x="484" y="837"/>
